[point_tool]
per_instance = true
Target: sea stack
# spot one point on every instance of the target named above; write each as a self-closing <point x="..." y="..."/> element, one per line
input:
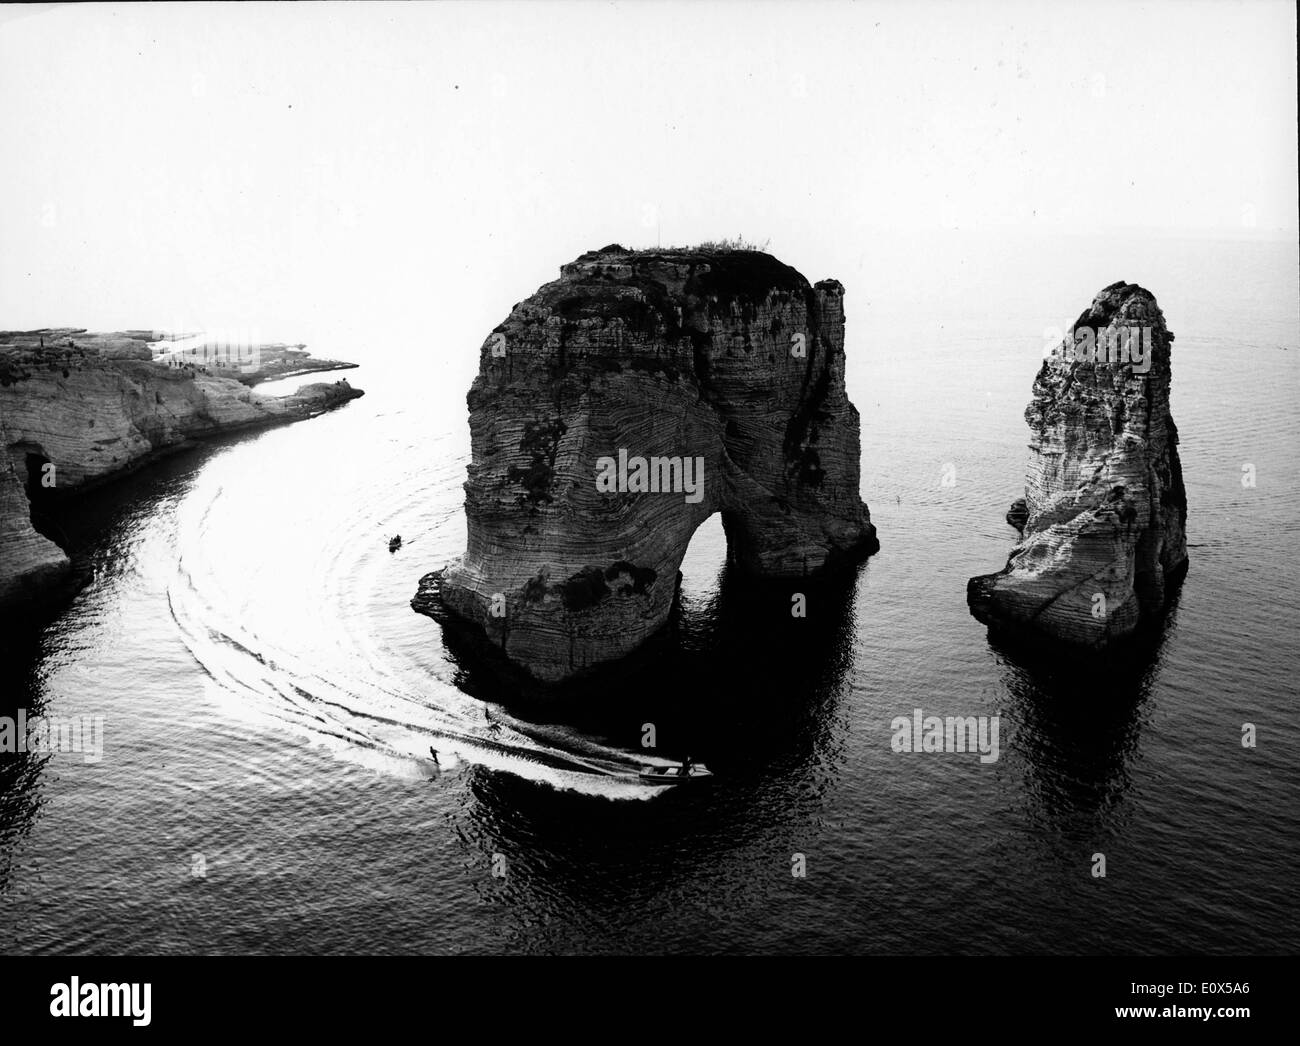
<point x="618" y="408"/>
<point x="1103" y="519"/>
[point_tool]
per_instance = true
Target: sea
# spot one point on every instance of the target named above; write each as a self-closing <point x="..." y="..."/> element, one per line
<point x="269" y="699"/>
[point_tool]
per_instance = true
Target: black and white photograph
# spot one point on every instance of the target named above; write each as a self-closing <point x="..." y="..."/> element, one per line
<point x="650" y="479"/>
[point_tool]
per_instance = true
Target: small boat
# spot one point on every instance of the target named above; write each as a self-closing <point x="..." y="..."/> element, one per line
<point x="395" y="543"/>
<point x="674" y="774"/>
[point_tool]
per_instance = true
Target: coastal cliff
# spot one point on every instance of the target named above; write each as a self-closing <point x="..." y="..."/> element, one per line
<point x="1103" y="519"/>
<point x="619" y="407"/>
<point x="78" y="408"/>
<point x="28" y="560"/>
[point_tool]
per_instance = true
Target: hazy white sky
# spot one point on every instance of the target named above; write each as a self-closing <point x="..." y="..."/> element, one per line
<point x="302" y="164"/>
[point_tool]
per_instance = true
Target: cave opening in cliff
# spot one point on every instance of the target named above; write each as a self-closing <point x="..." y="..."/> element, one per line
<point x="41" y="483"/>
<point x="35" y="462"/>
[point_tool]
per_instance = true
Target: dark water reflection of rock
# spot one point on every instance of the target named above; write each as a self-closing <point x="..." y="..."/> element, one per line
<point x="1080" y="719"/>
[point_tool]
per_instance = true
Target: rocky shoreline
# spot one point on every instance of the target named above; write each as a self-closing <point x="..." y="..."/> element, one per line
<point x="78" y="409"/>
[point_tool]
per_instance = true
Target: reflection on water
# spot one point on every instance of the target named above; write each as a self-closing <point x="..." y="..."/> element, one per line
<point x="21" y="774"/>
<point x="1080" y="720"/>
<point x="734" y="680"/>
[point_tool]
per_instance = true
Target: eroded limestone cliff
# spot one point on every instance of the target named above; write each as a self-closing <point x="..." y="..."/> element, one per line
<point x="28" y="560"/>
<point x="619" y="407"/>
<point x="1104" y="514"/>
<point x="77" y="408"/>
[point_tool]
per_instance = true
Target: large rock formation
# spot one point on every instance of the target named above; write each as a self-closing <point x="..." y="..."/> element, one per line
<point x="78" y="408"/>
<point x="617" y="409"/>
<point x="1104" y="513"/>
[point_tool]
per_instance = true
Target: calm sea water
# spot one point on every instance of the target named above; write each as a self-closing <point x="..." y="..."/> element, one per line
<point x="269" y="697"/>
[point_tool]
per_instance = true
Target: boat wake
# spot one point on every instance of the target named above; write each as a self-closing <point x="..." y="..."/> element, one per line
<point x="283" y="654"/>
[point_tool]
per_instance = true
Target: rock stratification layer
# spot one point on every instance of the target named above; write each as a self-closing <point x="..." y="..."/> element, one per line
<point x="618" y="408"/>
<point x="1104" y="514"/>
<point x="78" y="408"/>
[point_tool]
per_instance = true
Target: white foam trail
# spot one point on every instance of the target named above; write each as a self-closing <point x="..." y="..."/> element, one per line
<point x="348" y="693"/>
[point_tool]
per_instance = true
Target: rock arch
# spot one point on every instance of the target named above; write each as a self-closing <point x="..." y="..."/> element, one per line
<point x="619" y="407"/>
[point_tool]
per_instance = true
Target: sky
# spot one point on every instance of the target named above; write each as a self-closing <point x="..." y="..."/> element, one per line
<point x="376" y="166"/>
